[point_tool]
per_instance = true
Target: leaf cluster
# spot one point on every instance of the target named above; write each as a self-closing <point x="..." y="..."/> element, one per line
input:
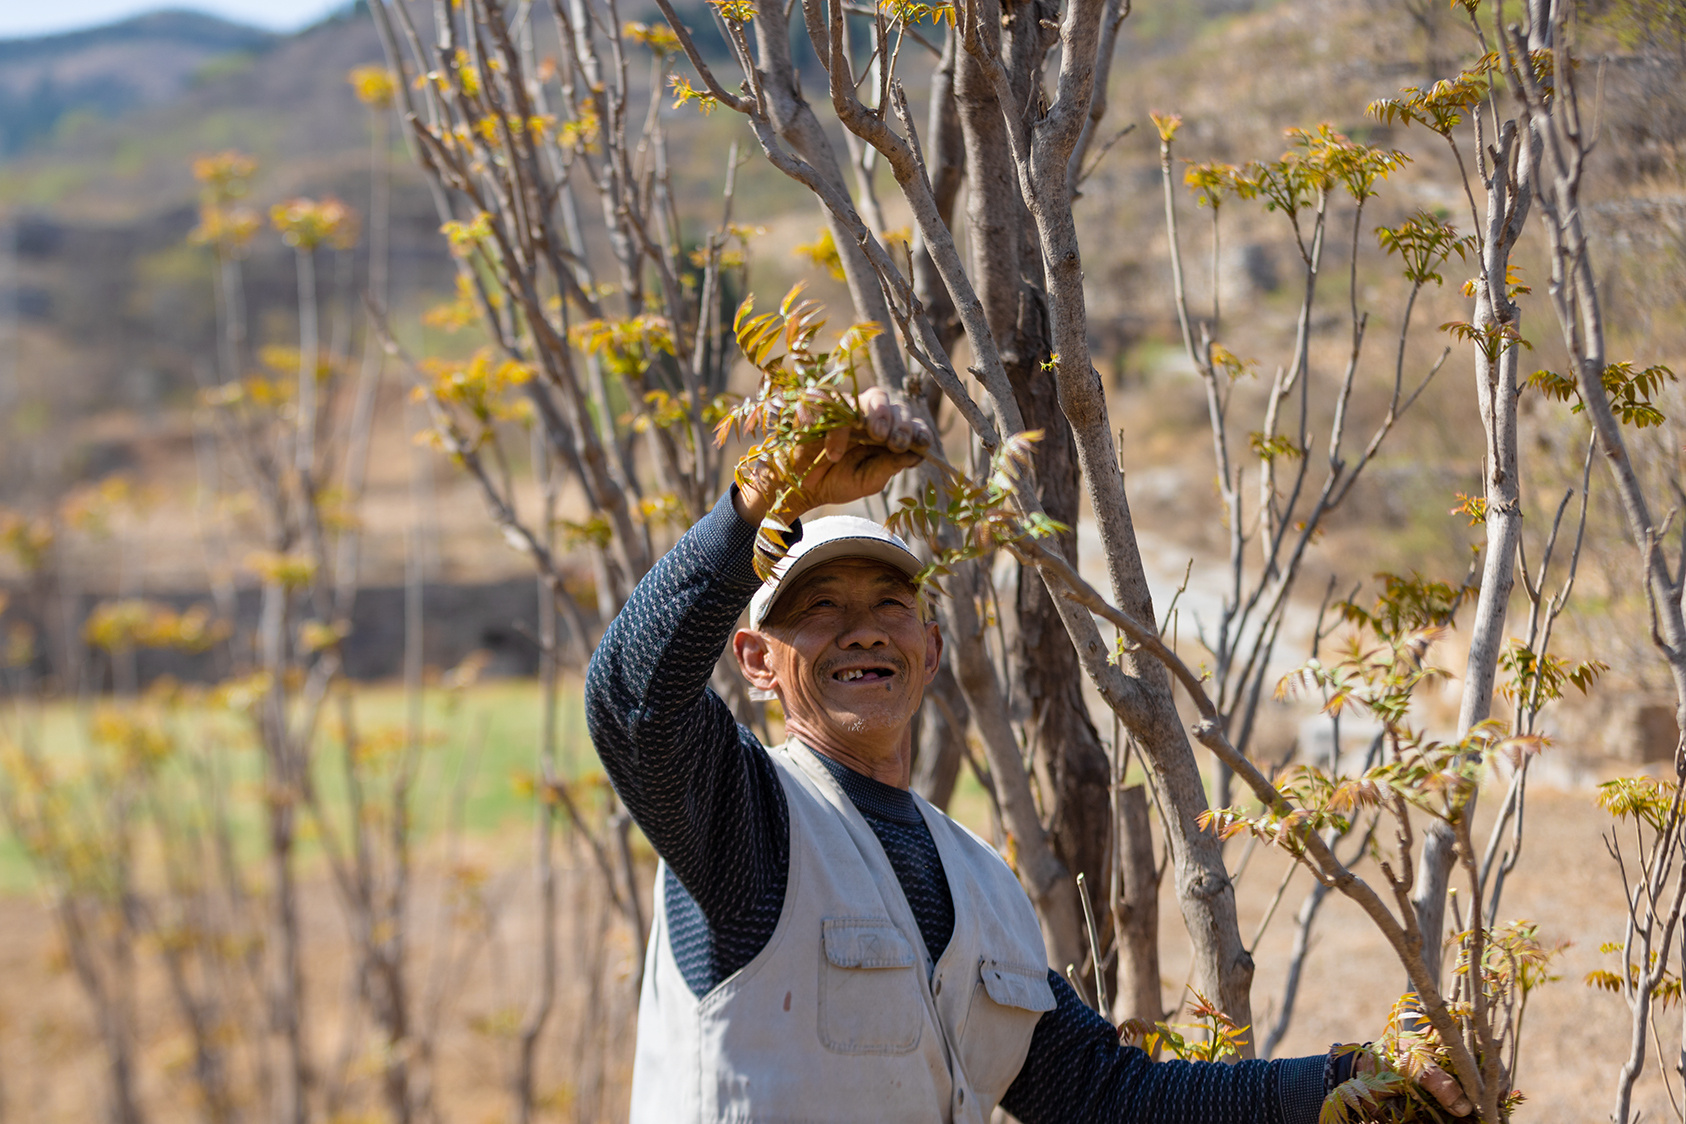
<point x="734" y="11"/>
<point x="1492" y="339"/>
<point x="982" y="510"/>
<point x="684" y="94"/>
<point x="1424" y="242"/>
<point x="1386" y="1090"/>
<point x="477" y="393"/>
<point x="306" y="224"/>
<point x="806" y="392"/>
<point x="1443" y="106"/>
<point x="658" y="37"/>
<point x="224" y="178"/>
<point x="29" y="540"/>
<point x="1666" y="990"/>
<point x="1317" y="161"/>
<point x="822" y="251"/>
<point x="1632" y="393"/>
<point x="915" y="11"/>
<point x="1536" y="678"/>
<point x="375" y="85"/>
<point x="135" y="623"/>
<point x="628" y="346"/>
<point x="1644" y="800"/>
<point x="1473" y="506"/>
<point x="1269" y="448"/>
<point x="289" y="571"/>
<point x="1214" y="1037"/>
<point x="1513" y="959"/>
<point x="1320" y="802"/>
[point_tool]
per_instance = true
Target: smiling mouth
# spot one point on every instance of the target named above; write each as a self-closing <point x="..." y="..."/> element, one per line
<point x="864" y="674"/>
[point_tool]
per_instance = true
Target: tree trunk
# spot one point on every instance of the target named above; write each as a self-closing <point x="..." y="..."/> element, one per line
<point x="1046" y="878"/>
<point x="1135" y="915"/>
<point x="1496" y="393"/>
<point x="1070" y="762"/>
<point x="1223" y="968"/>
<point x="794" y="119"/>
<point x="941" y="738"/>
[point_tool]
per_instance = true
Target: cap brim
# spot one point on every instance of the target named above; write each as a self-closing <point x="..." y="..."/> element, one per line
<point x="848" y="546"/>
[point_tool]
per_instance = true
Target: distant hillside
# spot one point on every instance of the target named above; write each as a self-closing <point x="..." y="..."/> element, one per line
<point x="109" y="308"/>
<point x="109" y="311"/>
<point x="106" y="71"/>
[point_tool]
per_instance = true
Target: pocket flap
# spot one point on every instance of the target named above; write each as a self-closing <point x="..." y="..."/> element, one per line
<point x="1014" y="986"/>
<point x="857" y="942"/>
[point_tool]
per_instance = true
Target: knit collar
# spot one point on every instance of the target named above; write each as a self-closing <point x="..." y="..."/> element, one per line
<point x="873" y="798"/>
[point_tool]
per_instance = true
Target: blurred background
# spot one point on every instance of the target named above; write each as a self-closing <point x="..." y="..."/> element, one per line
<point x="143" y="153"/>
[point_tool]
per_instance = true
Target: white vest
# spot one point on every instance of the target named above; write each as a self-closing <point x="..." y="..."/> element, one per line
<point x="841" y="1018"/>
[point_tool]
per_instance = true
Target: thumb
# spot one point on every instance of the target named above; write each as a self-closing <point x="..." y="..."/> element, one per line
<point x="1446" y="1090"/>
<point x="836" y="444"/>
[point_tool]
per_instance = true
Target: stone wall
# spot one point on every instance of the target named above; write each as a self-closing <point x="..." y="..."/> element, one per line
<point x="498" y="619"/>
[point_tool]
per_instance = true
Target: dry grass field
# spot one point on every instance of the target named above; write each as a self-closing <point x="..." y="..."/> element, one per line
<point x="50" y="1060"/>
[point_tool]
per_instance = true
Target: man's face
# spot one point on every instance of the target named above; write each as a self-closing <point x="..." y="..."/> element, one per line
<point x="847" y="652"/>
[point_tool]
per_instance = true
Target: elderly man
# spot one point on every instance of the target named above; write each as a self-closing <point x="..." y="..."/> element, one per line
<point x="827" y="946"/>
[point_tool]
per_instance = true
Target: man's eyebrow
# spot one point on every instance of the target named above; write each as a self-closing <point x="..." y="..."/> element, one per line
<point x="831" y="581"/>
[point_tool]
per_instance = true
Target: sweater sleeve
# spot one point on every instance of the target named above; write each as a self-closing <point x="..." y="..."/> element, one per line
<point x="1078" y="1070"/>
<point x="700" y="787"/>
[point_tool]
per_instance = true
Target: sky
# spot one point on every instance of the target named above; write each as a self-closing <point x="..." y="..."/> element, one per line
<point x="21" y="18"/>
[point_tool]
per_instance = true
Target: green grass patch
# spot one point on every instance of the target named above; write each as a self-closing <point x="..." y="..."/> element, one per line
<point x="475" y="764"/>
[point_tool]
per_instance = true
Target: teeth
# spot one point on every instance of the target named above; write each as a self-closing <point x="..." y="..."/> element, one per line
<point x="850" y="675"/>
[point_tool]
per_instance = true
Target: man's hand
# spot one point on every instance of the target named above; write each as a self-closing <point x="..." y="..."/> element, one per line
<point x="848" y="463"/>
<point x="1439" y="1084"/>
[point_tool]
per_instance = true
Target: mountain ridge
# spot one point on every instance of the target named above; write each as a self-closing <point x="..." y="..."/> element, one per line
<point x="160" y="22"/>
<point x="49" y="81"/>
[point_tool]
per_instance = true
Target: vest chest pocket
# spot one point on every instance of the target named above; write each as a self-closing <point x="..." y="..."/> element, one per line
<point x="869" y="988"/>
<point x="1006" y="1004"/>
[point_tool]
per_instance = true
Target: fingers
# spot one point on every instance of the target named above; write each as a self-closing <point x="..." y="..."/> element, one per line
<point x="878" y="411"/>
<point x="836" y="444"/>
<point x="1445" y="1089"/>
<point x="852" y="462"/>
<point x="891" y="423"/>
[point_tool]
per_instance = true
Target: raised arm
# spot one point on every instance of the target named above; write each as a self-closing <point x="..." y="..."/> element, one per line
<point x="702" y="788"/>
<point x="699" y="786"/>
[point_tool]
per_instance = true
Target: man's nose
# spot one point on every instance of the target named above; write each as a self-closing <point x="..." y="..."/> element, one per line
<point x="861" y="629"/>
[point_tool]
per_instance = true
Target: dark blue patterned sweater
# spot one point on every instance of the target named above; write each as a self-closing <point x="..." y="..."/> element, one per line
<point x="704" y="791"/>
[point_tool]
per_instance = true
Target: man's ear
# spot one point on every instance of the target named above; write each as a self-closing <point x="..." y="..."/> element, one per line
<point x="933" y="650"/>
<point x="755" y="658"/>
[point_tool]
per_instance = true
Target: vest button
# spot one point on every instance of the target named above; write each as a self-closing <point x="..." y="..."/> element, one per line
<point x="937" y="988"/>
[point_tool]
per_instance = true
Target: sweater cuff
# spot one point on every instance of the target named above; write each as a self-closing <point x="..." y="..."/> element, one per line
<point x="723" y="543"/>
<point x="1300" y="1089"/>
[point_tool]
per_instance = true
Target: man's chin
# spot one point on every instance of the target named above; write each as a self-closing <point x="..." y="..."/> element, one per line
<point x="852" y="722"/>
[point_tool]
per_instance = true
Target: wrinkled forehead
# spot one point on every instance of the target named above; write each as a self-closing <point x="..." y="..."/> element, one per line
<point x="842" y="575"/>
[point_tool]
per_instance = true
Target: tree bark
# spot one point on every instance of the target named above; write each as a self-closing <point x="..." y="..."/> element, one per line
<point x="1070" y="762"/>
<point x="941" y="741"/>
<point x="1223" y="968"/>
<point x="1508" y="195"/>
<point x="1135" y="915"/>
<point x="1047" y="879"/>
<point x="797" y="125"/>
<point x="945" y="163"/>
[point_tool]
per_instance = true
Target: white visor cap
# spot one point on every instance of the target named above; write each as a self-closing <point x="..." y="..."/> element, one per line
<point x="826" y="540"/>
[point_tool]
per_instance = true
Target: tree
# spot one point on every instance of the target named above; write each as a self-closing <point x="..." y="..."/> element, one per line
<point x="613" y="349"/>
